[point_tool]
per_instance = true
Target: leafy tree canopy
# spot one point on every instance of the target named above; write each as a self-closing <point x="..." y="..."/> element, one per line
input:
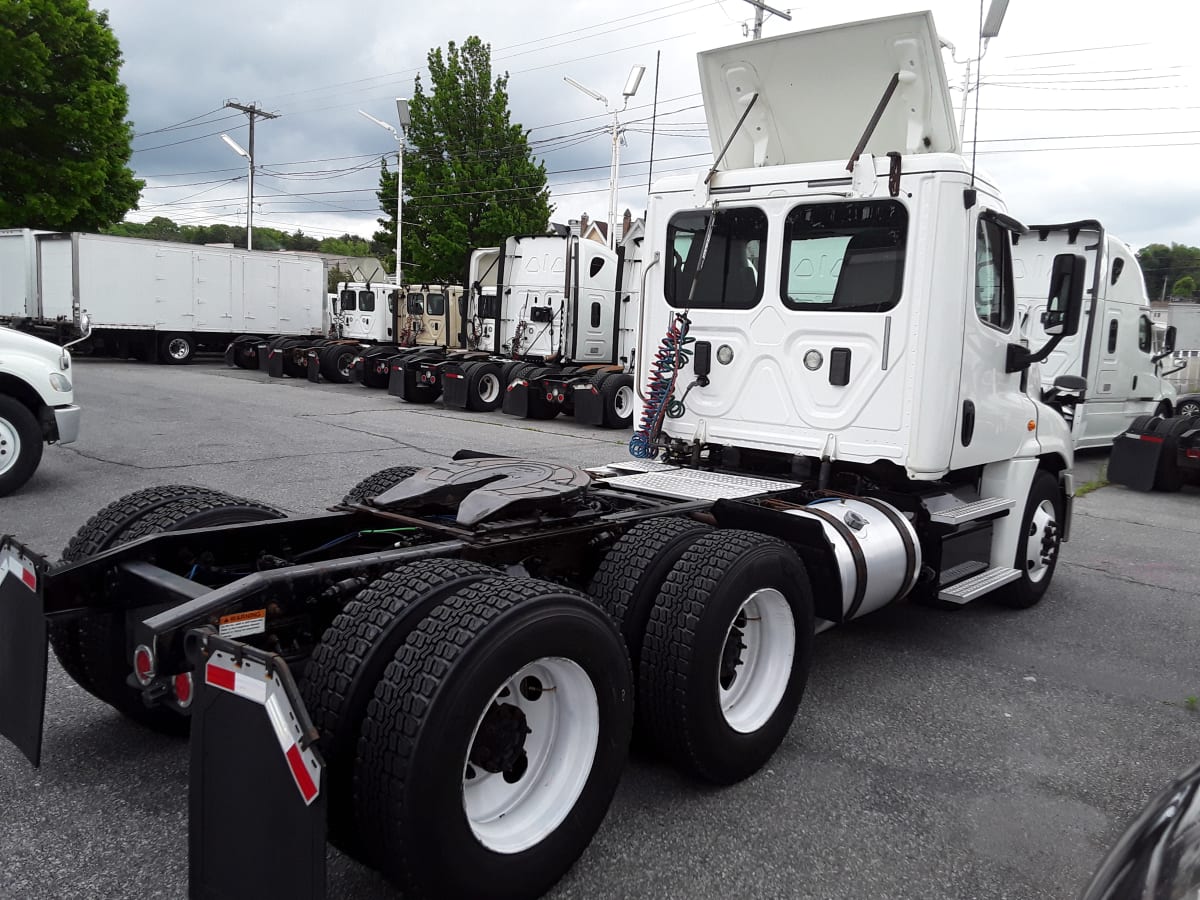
<point x="1184" y="287"/>
<point x="469" y="176"/>
<point x="161" y="228"/>
<point x="1165" y="266"/>
<point x="64" y="139"/>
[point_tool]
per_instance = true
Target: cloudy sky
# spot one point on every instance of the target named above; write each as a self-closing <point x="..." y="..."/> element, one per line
<point x="1087" y="110"/>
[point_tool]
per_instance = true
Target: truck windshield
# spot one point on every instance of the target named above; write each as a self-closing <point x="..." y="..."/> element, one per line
<point x="732" y="274"/>
<point x="366" y="301"/>
<point x="844" y="256"/>
<point x="436" y="304"/>
<point x="348" y="301"/>
<point x="416" y="304"/>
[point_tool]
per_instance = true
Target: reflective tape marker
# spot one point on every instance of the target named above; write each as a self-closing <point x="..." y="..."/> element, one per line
<point x="236" y="683"/>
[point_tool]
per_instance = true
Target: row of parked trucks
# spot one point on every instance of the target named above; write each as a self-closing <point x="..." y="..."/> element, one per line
<point x="837" y="409"/>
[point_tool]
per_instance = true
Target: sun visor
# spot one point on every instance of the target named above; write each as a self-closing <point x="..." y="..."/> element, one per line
<point x="818" y="89"/>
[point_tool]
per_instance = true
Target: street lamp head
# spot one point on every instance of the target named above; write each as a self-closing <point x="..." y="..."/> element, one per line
<point x="402" y="112"/>
<point x="587" y="90"/>
<point x="995" y="17"/>
<point x="380" y="123"/>
<point x="234" y="146"/>
<point x="632" y="82"/>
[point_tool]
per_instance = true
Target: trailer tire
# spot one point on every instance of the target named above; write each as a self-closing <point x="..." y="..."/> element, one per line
<point x="374" y="485"/>
<point x="336" y="362"/>
<point x="632" y="573"/>
<point x="712" y="713"/>
<point x="349" y="661"/>
<point x="20" y="444"/>
<point x="91" y="649"/>
<point x="1043" y="515"/>
<point x="485" y="387"/>
<point x="617" y="394"/>
<point x="176" y="349"/>
<point x="437" y="724"/>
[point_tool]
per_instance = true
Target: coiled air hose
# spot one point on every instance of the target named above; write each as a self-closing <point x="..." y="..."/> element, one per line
<point x="672" y="354"/>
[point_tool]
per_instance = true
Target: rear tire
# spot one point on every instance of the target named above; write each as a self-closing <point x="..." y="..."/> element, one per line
<point x="337" y="361"/>
<point x="485" y="387"/>
<point x="374" y="485"/>
<point x="631" y="576"/>
<point x="457" y="710"/>
<point x="616" y="392"/>
<point x="98" y="648"/>
<point x="726" y="655"/>
<point x="349" y="660"/>
<point x="176" y="349"/>
<point x="20" y="444"/>
<point x="1041" y="538"/>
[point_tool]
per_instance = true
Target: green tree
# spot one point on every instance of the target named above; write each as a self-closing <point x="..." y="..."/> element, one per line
<point x="64" y="139"/>
<point x="469" y="176"/>
<point x="1163" y="265"/>
<point x="1184" y="287"/>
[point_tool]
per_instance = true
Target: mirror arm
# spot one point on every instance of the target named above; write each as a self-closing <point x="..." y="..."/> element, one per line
<point x="1019" y="358"/>
<point x="1161" y="356"/>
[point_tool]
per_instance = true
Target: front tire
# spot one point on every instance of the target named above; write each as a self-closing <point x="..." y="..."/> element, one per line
<point x="726" y="655"/>
<point x="1041" y="538"/>
<point x="494" y="743"/>
<point x="20" y="444"/>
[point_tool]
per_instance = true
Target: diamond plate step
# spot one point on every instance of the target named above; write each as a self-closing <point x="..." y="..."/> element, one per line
<point x="969" y="512"/>
<point x="692" y="484"/>
<point x="978" y="585"/>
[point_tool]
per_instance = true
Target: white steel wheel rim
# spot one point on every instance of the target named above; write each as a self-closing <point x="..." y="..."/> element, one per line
<point x="507" y="814"/>
<point x="489" y="387"/>
<point x="1040" y="528"/>
<point x="178" y="348"/>
<point x="345" y="363"/>
<point x="764" y="664"/>
<point x="10" y="445"/>
<point x="623" y="401"/>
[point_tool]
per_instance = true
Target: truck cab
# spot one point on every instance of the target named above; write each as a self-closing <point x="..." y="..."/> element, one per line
<point x="367" y="312"/>
<point x="36" y="404"/>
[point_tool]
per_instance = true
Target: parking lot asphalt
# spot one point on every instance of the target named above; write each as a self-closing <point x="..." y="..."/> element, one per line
<point x="984" y="753"/>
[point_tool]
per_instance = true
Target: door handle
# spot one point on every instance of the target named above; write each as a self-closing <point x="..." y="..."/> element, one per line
<point x="968" y="422"/>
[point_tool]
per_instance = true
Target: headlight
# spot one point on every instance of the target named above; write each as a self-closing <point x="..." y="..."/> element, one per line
<point x="60" y="382"/>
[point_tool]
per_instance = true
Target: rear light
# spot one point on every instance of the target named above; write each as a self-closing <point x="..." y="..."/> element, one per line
<point x="1193" y="454"/>
<point x="182" y="684"/>
<point x="1150" y="438"/>
<point x="143" y="664"/>
<point x="550" y="396"/>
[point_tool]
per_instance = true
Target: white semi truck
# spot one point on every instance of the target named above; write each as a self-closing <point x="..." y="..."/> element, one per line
<point x="156" y="300"/>
<point x="1114" y="354"/>
<point x="834" y="420"/>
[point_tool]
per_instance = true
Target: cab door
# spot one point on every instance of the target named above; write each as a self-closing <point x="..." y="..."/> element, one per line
<point x="993" y="410"/>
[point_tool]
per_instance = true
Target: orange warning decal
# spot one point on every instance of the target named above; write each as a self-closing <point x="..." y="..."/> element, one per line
<point x="252" y="621"/>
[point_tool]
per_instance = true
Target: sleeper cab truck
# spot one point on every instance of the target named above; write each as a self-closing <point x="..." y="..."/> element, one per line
<point x="1112" y="361"/>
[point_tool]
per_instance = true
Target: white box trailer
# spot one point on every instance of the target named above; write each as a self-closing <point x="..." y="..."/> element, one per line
<point x="18" y="274"/>
<point x="1114" y="351"/>
<point x="164" y="300"/>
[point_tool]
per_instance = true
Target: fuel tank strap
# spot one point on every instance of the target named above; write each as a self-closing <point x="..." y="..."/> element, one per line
<point x="860" y="561"/>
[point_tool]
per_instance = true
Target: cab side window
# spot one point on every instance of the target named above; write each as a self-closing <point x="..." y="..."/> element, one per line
<point x="994" y="294"/>
<point x="1145" y="334"/>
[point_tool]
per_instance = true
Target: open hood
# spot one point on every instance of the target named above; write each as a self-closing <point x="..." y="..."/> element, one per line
<point x="817" y="90"/>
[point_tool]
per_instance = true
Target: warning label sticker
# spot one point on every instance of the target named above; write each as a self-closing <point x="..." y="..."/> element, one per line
<point x="252" y="621"/>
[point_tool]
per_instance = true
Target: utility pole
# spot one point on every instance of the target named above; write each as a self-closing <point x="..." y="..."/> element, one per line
<point x="759" y="9"/>
<point x="253" y="112"/>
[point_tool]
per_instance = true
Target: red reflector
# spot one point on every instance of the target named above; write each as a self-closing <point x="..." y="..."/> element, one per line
<point x="550" y="396"/>
<point x="1150" y="438"/>
<point x="222" y="678"/>
<point x="183" y="688"/>
<point x="304" y="781"/>
<point x="452" y="375"/>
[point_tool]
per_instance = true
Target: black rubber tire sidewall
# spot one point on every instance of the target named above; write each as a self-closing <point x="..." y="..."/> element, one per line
<point x="1189" y="409"/>
<point x="475" y="375"/>
<point x="375" y="484"/>
<point x="164" y="354"/>
<point x="678" y="702"/>
<point x="444" y="857"/>
<point x="329" y="359"/>
<point x="1023" y="593"/>
<point x="608" y="394"/>
<point x="29" y="432"/>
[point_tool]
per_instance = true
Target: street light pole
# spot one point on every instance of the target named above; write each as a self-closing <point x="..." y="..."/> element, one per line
<point x="402" y="114"/>
<point x="249" y="186"/>
<point x="631" y="86"/>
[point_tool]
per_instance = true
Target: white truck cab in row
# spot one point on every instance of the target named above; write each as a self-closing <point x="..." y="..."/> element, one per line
<point x="36" y="403"/>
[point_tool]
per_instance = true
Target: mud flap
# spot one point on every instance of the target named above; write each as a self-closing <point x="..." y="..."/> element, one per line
<point x="398" y="378"/>
<point x="274" y="365"/>
<point x="313" y="360"/>
<point x="264" y="354"/>
<point x="1143" y="458"/>
<point x="230" y="351"/>
<point x="589" y="405"/>
<point x="516" y="399"/>
<point x="454" y="386"/>
<point x="256" y="789"/>
<point x="22" y="649"/>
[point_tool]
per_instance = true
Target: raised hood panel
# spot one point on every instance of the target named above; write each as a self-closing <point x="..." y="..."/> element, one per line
<point x="817" y="90"/>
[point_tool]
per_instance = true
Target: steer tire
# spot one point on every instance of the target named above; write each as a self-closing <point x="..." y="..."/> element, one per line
<point x="20" y="444"/>
<point x="633" y="571"/>
<point x="349" y="660"/>
<point x="374" y="485"/>
<point x="1025" y="592"/>
<point x="418" y="752"/>
<point x="704" y="603"/>
<point x="93" y="648"/>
